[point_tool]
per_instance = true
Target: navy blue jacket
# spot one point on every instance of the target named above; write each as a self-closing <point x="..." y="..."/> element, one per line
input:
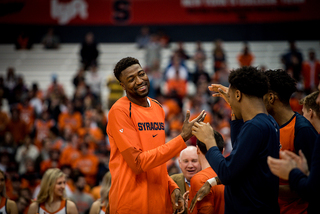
<point x="250" y="187"/>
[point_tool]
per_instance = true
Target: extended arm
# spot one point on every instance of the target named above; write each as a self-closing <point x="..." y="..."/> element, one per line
<point x="128" y="143"/>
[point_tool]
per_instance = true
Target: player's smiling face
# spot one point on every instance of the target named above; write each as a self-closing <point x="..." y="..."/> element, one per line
<point x="135" y="82"/>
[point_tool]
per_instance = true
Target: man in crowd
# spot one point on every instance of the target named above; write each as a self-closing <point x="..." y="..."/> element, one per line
<point x="189" y="165"/>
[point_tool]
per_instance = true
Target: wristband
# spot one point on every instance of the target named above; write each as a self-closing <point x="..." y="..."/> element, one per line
<point x="212" y="181"/>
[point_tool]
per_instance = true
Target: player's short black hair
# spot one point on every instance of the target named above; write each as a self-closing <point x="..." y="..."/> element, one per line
<point x="249" y="80"/>
<point x="282" y="84"/>
<point x="123" y="64"/>
<point x="219" y="141"/>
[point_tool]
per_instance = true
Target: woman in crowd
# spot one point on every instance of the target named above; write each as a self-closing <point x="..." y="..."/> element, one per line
<point x="51" y="198"/>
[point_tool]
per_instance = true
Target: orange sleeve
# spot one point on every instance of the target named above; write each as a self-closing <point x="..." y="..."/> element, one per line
<point x="128" y="143"/>
<point x="171" y="185"/>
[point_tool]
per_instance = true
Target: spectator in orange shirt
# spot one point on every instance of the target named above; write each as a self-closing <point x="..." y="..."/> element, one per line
<point x="42" y="127"/>
<point x="55" y="87"/>
<point x="52" y="162"/>
<point x="27" y="112"/>
<point x="310" y="72"/>
<point x="13" y="183"/>
<point x="245" y="58"/>
<point x="214" y="201"/>
<point x="17" y="127"/>
<point x="87" y="163"/>
<point x="70" y="118"/>
<point x="70" y="152"/>
<point x="4" y="121"/>
<point x="91" y="128"/>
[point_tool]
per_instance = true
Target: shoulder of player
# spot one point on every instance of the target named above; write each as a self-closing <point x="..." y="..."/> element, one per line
<point x="156" y="102"/>
<point x="200" y="177"/>
<point x="122" y="105"/>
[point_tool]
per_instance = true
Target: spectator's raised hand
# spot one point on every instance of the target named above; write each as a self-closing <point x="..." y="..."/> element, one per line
<point x="221" y="91"/>
<point x="187" y="126"/>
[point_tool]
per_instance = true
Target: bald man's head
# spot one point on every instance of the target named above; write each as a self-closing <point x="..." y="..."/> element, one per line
<point x="188" y="162"/>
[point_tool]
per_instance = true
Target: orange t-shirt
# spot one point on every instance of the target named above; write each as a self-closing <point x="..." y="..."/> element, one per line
<point x="18" y="129"/>
<point x="214" y="201"/>
<point x="69" y="155"/>
<point x="88" y="165"/>
<point x="27" y="115"/>
<point x="73" y="121"/>
<point x="245" y="60"/>
<point x="4" y="120"/>
<point x="47" y="164"/>
<point x="42" y="131"/>
<point x="138" y="158"/>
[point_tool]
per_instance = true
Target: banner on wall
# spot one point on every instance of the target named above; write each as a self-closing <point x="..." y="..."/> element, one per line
<point x="139" y="12"/>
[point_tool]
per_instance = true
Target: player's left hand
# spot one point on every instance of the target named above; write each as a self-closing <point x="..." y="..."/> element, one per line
<point x="177" y="201"/>
<point x="203" y="132"/>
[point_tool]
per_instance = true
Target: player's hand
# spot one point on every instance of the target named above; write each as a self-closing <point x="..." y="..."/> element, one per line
<point x="186" y="199"/>
<point x="221" y="91"/>
<point x="204" y="133"/>
<point x="203" y="191"/>
<point x="300" y="160"/>
<point x="177" y="201"/>
<point x="281" y="167"/>
<point x="187" y="126"/>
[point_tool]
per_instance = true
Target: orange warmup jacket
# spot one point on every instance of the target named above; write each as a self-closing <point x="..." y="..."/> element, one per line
<point x="140" y="181"/>
<point x="214" y="201"/>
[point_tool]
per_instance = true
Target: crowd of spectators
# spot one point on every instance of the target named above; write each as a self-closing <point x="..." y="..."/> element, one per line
<point x="43" y="128"/>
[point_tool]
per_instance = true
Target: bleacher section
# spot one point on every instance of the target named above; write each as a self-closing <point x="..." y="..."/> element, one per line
<point x="37" y="65"/>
